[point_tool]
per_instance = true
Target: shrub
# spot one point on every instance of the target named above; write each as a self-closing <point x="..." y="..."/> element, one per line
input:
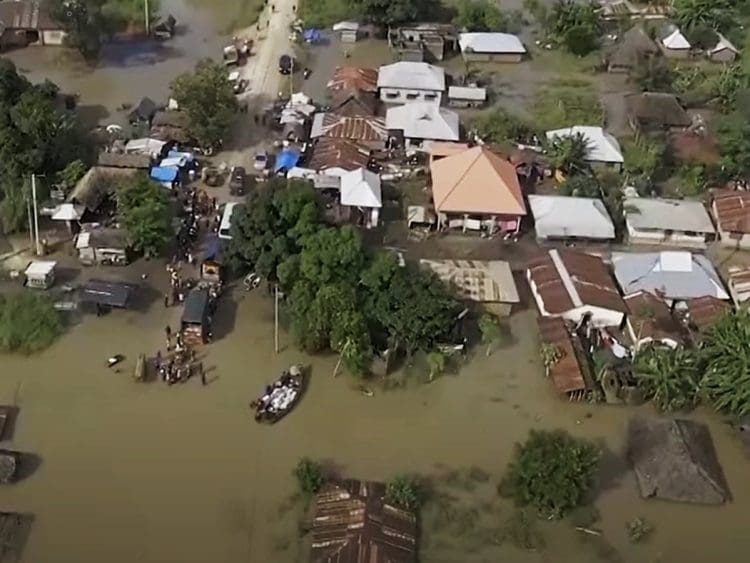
<point x="28" y="323"/>
<point x="309" y="476"/>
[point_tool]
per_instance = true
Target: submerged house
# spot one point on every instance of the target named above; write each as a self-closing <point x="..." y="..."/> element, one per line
<point x="670" y="275"/>
<point x="475" y="189"/>
<point x="422" y="41"/>
<point x="491" y="47"/>
<point x="28" y="22"/>
<point x="676" y="460"/>
<point x="354" y="523"/>
<point x="559" y="217"/>
<point x="669" y="222"/>
<point x="567" y="367"/>
<point x="731" y="209"/>
<point x="575" y="285"/>
<point x="408" y="82"/>
<point x="723" y="52"/>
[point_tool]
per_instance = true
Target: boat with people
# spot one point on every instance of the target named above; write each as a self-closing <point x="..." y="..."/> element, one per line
<point x="280" y="397"/>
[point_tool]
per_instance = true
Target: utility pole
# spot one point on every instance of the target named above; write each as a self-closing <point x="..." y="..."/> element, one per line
<point x="31" y="221"/>
<point x="276" y="318"/>
<point x="36" y="215"/>
<point x="145" y="13"/>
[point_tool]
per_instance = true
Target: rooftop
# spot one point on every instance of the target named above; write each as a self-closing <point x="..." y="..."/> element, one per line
<point x="568" y="279"/>
<point x="656" y="109"/>
<point x="645" y="213"/>
<point x="732" y="210"/>
<point x="414" y="75"/>
<point x="477" y="280"/>
<point x="476" y="181"/>
<point x="602" y="147"/>
<point x="566" y="373"/>
<point x="361" y="128"/>
<point x="703" y="312"/>
<point x="651" y="319"/>
<point x="361" y="188"/>
<point x="634" y="46"/>
<point x="565" y="216"/>
<point x="490" y="43"/>
<point x="118" y="160"/>
<point x="672" y="38"/>
<point x="667" y="274"/>
<point x="337" y="153"/>
<point x="423" y="121"/>
<point x="353" y="79"/>
<point x="353" y="523"/>
<point x="473" y="93"/>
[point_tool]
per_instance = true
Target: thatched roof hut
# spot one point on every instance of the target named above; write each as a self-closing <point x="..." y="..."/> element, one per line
<point x="354" y="524"/>
<point x="676" y="460"/>
<point x="635" y="46"/>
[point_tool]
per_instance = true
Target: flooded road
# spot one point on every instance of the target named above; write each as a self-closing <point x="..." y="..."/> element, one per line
<point x="184" y="475"/>
<point x="127" y="72"/>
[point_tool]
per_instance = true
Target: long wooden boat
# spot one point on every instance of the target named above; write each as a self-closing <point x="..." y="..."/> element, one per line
<point x="280" y="397"/>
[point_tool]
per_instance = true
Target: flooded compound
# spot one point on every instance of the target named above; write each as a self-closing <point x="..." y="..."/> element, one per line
<point x="184" y="474"/>
<point x="126" y="72"/>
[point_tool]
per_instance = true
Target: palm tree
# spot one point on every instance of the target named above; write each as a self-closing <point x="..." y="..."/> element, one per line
<point x="716" y="14"/>
<point x="668" y="377"/>
<point x="569" y="153"/>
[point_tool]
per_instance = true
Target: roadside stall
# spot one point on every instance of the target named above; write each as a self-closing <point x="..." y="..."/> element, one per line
<point x="40" y="274"/>
<point x="212" y="267"/>
<point x="195" y="325"/>
<point x="103" y="246"/>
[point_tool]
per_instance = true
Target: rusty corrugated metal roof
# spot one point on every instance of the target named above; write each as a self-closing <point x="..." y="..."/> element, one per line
<point x="565" y="373"/>
<point x="338" y="153"/>
<point x="354" y="524"/>
<point x="651" y="318"/>
<point x="360" y="128"/>
<point x="354" y="79"/>
<point x="732" y="210"/>
<point x="705" y="311"/>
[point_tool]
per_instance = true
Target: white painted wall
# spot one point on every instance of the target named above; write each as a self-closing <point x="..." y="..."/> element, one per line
<point x="408" y="96"/>
<point x="675" y="238"/>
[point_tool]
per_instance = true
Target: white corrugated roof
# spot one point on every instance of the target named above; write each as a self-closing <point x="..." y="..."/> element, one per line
<point x="83" y="239"/>
<point x="467" y="93"/>
<point x="40" y="268"/>
<point x="408" y="74"/>
<point x="564" y="217"/>
<point x="490" y="43"/>
<point x="667" y="214"/>
<point x="423" y="121"/>
<point x="68" y="212"/>
<point x="361" y="188"/>
<point x="722" y="44"/>
<point x="602" y="147"/>
<point x="676" y="40"/>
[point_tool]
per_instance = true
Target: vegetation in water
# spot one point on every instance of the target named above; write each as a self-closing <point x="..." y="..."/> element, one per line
<point x="552" y="472"/>
<point x="206" y="96"/>
<point x="309" y="475"/>
<point x="574" y="26"/>
<point x="565" y="103"/>
<point x="144" y="208"/>
<point x="639" y="529"/>
<point x="484" y="15"/>
<point x="405" y="491"/>
<point x="323" y="13"/>
<point x="494" y="333"/>
<point x="670" y="378"/>
<point x="28" y="323"/>
<point x="521" y="530"/>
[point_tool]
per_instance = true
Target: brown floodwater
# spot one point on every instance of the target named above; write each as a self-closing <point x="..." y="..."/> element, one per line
<point x="183" y="474"/>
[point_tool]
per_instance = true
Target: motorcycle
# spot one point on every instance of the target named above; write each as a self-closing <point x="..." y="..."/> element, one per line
<point x="251" y="281"/>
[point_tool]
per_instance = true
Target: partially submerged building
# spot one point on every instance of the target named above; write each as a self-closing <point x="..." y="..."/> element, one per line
<point x="566" y="217"/>
<point x="475" y="189"/>
<point x="422" y="41"/>
<point x="491" y="47"/>
<point x="28" y="22"/>
<point x="601" y="147"/>
<point x="702" y="313"/>
<point x="564" y="358"/>
<point x="354" y="523"/>
<point x="669" y="222"/>
<point x="489" y="282"/>
<point x="673" y="43"/>
<point x="466" y="96"/>
<point x="670" y="275"/>
<point x="102" y="246"/>
<point x="676" y="460"/>
<point x="653" y="111"/>
<point x="731" y="209"/>
<point x="723" y="52"/>
<point x="407" y="82"/>
<point x="575" y="285"/>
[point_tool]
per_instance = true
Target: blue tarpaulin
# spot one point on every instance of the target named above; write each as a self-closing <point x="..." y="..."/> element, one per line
<point x="188" y="156"/>
<point x="213" y="249"/>
<point x="164" y="173"/>
<point x="312" y="35"/>
<point x="286" y="160"/>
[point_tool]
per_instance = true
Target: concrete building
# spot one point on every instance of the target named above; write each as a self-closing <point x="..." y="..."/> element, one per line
<point x="565" y="217"/>
<point x="409" y="82"/>
<point x="491" y="47"/>
<point x="670" y="222"/>
<point x="411" y="124"/>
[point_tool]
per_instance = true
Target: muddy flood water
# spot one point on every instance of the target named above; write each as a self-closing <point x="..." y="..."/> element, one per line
<point x="155" y="474"/>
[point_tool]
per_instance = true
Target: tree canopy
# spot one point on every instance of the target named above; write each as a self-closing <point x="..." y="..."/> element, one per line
<point x="36" y="136"/>
<point x="144" y="208"/>
<point x="499" y="125"/>
<point x="569" y="153"/>
<point x="711" y="14"/>
<point x="480" y="15"/>
<point x="206" y="96"/>
<point x="552" y="471"/>
<point x="670" y="378"/>
<point x="733" y="143"/>
<point x="574" y="25"/>
<point x="28" y="323"/>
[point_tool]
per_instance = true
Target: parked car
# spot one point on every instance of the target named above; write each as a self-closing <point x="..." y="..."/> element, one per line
<point x="237" y="179"/>
<point x="261" y="160"/>
<point x="285" y="64"/>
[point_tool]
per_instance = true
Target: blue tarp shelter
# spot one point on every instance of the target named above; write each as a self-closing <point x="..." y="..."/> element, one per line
<point x="213" y="249"/>
<point x="286" y="160"/>
<point x="164" y="173"/>
<point x="312" y="35"/>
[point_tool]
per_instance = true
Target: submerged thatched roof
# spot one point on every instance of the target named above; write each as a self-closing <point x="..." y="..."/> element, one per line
<point x="675" y="460"/>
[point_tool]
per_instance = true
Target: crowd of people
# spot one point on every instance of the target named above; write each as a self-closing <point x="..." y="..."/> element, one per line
<point x="279" y="397"/>
<point x="179" y="363"/>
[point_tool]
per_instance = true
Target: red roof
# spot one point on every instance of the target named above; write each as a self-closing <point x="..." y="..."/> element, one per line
<point x="589" y="276"/>
<point x="338" y="153"/>
<point x="565" y="373"/>
<point x="705" y="311"/>
<point x="732" y="210"/>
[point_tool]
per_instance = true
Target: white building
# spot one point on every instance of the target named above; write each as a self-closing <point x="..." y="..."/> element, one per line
<point x="422" y="122"/>
<point x="602" y="148"/>
<point x="497" y="47"/>
<point x="674" y="222"/>
<point x="566" y="217"/>
<point x="361" y="189"/>
<point x="406" y="82"/>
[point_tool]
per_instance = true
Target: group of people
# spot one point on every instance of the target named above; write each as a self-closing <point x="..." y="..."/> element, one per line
<point x="279" y="396"/>
<point x="179" y="363"/>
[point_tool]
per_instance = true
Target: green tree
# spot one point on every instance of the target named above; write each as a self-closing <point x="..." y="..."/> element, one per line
<point x="670" y="378"/>
<point x="480" y="15"/>
<point x="69" y="176"/>
<point x="405" y="492"/>
<point x="713" y="14"/>
<point x="84" y="23"/>
<point x="499" y="125"/>
<point x="552" y="471"/>
<point x="144" y="208"/>
<point x="493" y="332"/>
<point x="565" y="103"/>
<point x="726" y="358"/>
<point x="576" y="26"/>
<point x="653" y="75"/>
<point x="733" y="142"/>
<point x="206" y="96"/>
<point x="581" y="185"/>
<point x="435" y="363"/>
<point x="28" y="323"/>
<point x="569" y="153"/>
<point x="309" y="475"/>
<point x="271" y="227"/>
<point x="390" y="12"/>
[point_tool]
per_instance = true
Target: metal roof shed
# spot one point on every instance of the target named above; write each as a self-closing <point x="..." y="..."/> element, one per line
<point x="112" y="294"/>
<point x="561" y="217"/>
<point x="195" y="310"/>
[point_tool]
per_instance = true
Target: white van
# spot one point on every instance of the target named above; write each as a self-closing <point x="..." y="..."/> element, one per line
<point x="226" y="221"/>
